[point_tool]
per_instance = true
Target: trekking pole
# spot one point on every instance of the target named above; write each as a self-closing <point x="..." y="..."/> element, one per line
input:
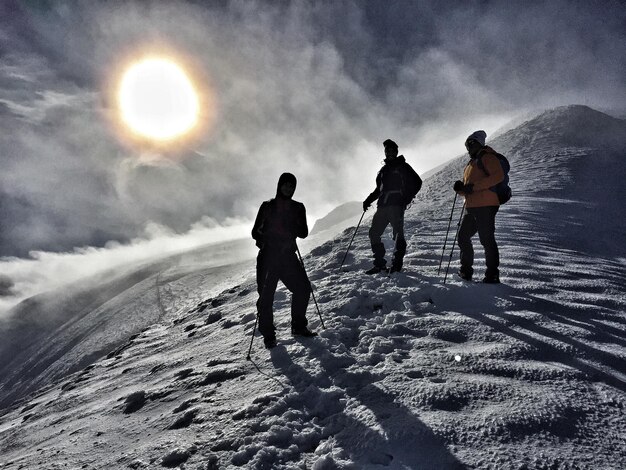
<point x="350" y="244"/>
<point x="311" y="285"/>
<point x="458" y="226"/>
<point x="256" y="320"/>
<point x="445" y="242"/>
<point x="252" y="337"/>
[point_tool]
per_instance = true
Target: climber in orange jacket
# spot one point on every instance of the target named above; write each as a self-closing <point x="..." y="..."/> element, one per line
<point x="482" y="172"/>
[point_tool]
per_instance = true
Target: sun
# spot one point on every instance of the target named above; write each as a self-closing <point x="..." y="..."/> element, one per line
<point x="157" y="100"/>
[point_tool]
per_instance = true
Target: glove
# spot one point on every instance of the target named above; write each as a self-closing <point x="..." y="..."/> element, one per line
<point x="366" y="205"/>
<point x="463" y="188"/>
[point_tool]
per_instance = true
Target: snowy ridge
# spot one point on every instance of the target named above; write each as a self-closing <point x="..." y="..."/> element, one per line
<point x="409" y="373"/>
<point x="340" y="216"/>
<point x="53" y="334"/>
<point x="81" y="323"/>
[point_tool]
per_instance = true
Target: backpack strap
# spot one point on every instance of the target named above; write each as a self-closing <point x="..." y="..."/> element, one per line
<point x="479" y="162"/>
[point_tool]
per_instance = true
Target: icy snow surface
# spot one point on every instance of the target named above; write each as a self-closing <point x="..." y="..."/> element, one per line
<point x="409" y="373"/>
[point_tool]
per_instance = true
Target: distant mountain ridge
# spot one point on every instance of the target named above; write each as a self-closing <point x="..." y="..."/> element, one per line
<point x="347" y="211"/>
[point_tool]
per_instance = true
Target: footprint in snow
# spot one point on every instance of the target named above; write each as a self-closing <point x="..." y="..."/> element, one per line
<point x="183" y="374"/>
<point x="157" y="368"/>
<point x="437" y="380"/>
<point x="226" y="445"/>
<point x="135" y="401"/>
<point x="415" y="374"/>
<point x="451" y="335"/>
<point x="213" y="318"/>
<point x="229" y="324"/>
<point x="220" y="375"/>
<point x="184" y="420"/>
<point x="184" y="405"/>
<point x="356" y="380"/>
<point x="176" y="458"/>
<point x="68" y="386"/>
<point x="248" y="318"/>
<point x="218" y="362"/>
<point x="29" y="407"/>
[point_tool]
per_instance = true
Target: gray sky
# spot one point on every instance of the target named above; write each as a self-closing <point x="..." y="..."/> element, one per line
<point x="307" y="87"/>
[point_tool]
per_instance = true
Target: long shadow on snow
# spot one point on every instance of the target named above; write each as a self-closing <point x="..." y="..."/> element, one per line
<point x="560" y="314"/>
<point x="415" y="447"/>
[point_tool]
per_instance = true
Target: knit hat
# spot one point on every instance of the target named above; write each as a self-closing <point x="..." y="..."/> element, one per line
<point x="478" y="136"/>
<point x="390" y="143"/>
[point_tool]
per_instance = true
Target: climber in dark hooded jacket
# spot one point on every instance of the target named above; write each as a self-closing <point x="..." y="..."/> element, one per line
<point x="396" y="186"/>
<point x="278" y="223"/>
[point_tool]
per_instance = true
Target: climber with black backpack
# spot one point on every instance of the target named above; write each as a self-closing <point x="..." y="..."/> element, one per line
<point x="485" y="188"/>
<point x="396" y="186"/>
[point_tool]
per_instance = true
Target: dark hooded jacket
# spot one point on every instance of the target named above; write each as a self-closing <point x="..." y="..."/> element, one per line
<point x="396" y="184"/>
<point x="280" y="220"/>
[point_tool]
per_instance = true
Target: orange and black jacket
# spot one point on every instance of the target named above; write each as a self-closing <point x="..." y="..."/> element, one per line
<point x="482" y="180"/>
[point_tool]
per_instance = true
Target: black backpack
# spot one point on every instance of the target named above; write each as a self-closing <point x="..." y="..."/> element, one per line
<point x="502" y="189"/>
<point x="411" y="187"/>
<point x="406" y="182"/>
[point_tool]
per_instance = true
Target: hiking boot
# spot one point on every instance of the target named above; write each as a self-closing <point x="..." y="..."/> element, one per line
<point x="269" y="342"/>
<point x="376" y="270"/>
<point x="466" y="276"/>
<point x="395" y="269"/>
<point x="492" y="280"/>
<point x="304" y="331"/>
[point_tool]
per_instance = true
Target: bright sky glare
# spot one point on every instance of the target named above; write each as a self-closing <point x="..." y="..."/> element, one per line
<point x="157" y="100"/>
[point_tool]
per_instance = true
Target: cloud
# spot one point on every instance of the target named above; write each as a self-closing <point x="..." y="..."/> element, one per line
<point x="46" y="271"/>
<point x="307" y="87"/>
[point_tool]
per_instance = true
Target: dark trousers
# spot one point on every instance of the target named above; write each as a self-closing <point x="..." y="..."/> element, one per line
<point x="384" y="216"/>
<point x="483" y="221"/>
<point x="272" y="267"/>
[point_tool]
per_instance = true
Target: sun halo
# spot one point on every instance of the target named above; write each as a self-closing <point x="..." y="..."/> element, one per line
<point x="157" y="100"/>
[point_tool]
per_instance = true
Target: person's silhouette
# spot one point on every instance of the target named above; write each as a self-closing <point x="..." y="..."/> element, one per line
<point x="278" y="223"/>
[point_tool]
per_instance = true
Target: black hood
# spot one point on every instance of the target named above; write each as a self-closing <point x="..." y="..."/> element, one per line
<point x="285" y="178"/>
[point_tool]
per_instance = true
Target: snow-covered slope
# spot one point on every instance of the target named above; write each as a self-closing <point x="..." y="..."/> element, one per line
<point x="339" y="218"/>
<point x="409" y="373"/>
<point x="60" y="332"/>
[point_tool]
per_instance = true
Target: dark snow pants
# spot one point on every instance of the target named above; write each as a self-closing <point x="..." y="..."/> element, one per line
<point x="384" y="216"/>
<point x="483" y="221"/>
<point x="274" y="266"/>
